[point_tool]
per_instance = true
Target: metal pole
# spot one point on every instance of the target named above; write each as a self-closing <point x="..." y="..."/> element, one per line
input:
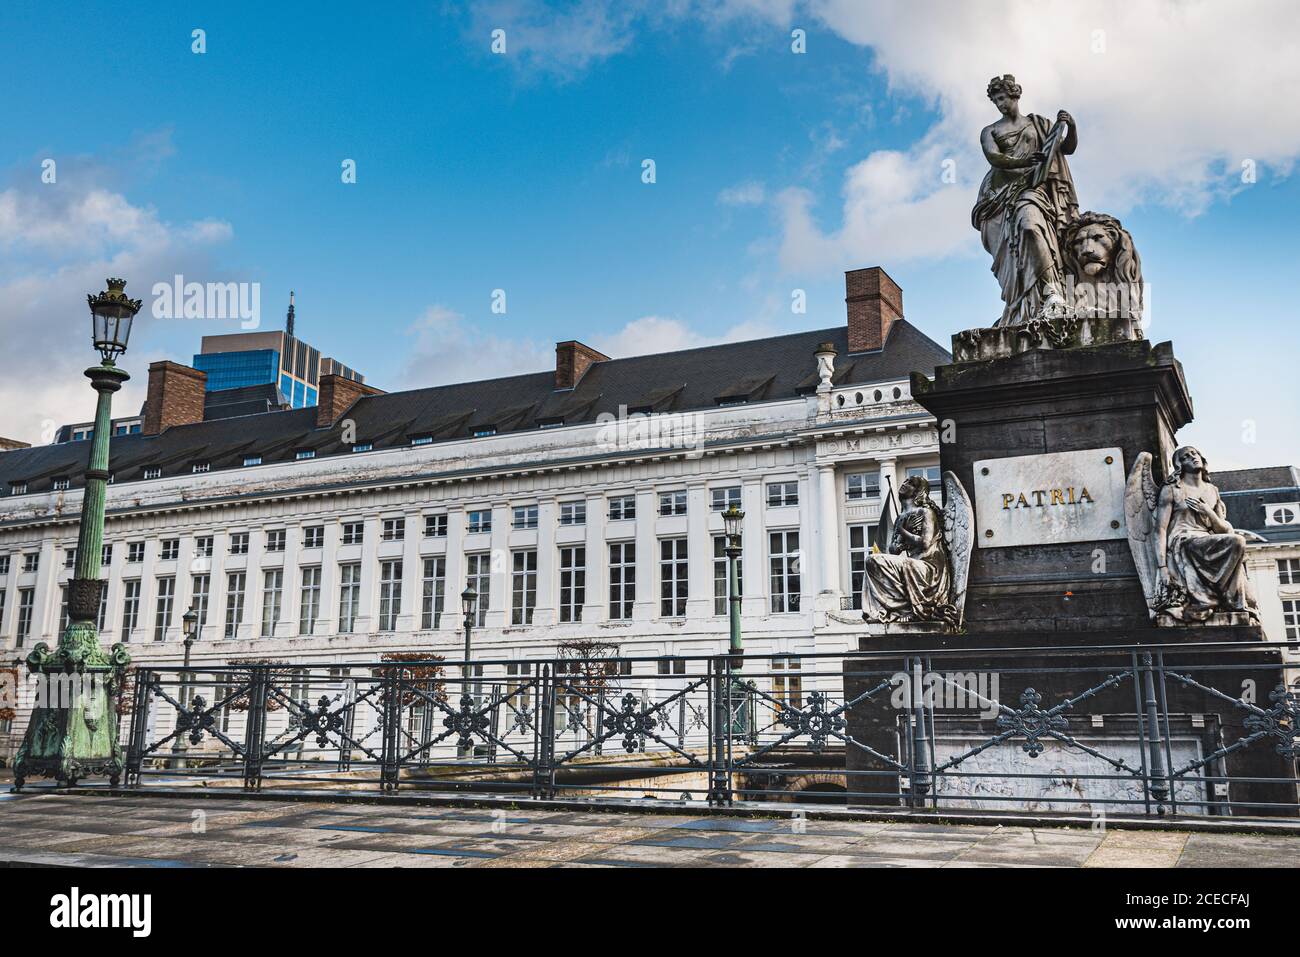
<point x="466" y="751"/>
<point x="178" y="745"/>
<point x="1159" y="785"/>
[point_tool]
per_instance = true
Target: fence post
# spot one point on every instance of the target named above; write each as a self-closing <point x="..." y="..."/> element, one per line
<point x="255" y="727"/>
<point x="391" y="715"/>
<point x="1158" y="783"/>
<point x="719" y="759"/>
<point x="139" y="726"/>
<point x="920" y="771"/>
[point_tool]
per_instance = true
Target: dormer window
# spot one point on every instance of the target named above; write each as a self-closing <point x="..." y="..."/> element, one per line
<point x="305" y="454"/>
<point x="153" y="473"/>
<point x="1286" y="513"/>
<point x="17" y="488"/>
<point x="422" y="440"/>
<point x="252" y="460"/>
<point x="483" y="430"/>
<point x="61" y="483"/>
<point x="362" y="447"/>
<point x="640" y="409"/>
<point x="198" y="467"/>
<point x="732" y="401"/>
<point x="551" y="423"/>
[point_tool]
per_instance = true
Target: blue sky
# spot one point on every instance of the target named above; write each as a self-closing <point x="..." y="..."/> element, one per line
<point x="522" y="172"/>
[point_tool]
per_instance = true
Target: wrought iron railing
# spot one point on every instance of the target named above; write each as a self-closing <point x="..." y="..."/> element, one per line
<point x="1206" y="729"/>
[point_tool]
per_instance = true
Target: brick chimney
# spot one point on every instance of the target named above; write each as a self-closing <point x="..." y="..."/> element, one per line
<point x="336" y="394"/>
<point x="175" y="396"/>
<point x="572" y="360"/>
<point x="874" y="303"/>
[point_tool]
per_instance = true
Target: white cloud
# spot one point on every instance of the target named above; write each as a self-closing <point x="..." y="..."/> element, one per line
<point x="448" y="348"/>
<point x="1166" y="111"/>
<point x="60" y="242"/>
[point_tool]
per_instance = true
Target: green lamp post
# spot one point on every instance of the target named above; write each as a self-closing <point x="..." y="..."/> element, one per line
<point x="731" y="520"/>
<point x="73" y="728"/>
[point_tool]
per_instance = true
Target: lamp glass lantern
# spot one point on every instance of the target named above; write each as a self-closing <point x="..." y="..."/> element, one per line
<point x="469" y="601"/>
<point x="731" y="520"/>
<point x="190" y="624"/>
<point x="112" y="313"/>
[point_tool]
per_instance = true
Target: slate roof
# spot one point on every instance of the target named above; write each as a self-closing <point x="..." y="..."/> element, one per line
<point x="758" y="370"/>
<point x="1246" y="492"/>
<point x="245" y="400"/>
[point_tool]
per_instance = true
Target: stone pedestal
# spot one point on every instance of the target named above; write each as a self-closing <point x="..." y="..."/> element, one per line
<point x="1128" y="394"/>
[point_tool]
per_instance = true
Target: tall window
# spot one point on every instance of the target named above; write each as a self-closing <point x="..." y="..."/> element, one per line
<point x="235" y="584"/>
<point x="783" y="554"/>
<point x="63" y="609"/>
<point x="573" y="582"/>
<point x="859" y="548"/>
<point x="163" y="611"/>
<point x="3" y="594"/>
<point x="390" y="594"/>
<point x="353" y="533"/>
<point x="135" y="552"/>
<point x="170" y="550"/>
<point x="26" y="599"/>
<point x="519" y="696"/>
<point x="309" y="604"/>
<point x="672" y="577"/>
<point x="238" y="543"/>
<point x="435" y="526"/>
<point x="349" y="596"/>
<point x="787" y="681"/>
<point x="525" y="516"/>
<point x="272" y="590"/>
<point x="4" y="564"/>
<point x="721" y="585"/>
<point x="130" y="607"/>
<point x="200" y="588"/>
<point x="622" y="580"/>
<point x="99" y="619"/>
<point x="622" y="507"/>
<point x="313" y="536"/>
<point x="202" y="547"/>
<point x="394" y="529"/>
<point x="275" y="540"/>
<point x="929" y="472"/>
<point x="523" y="587"/>
<point x="478" y="575"/>
<point x="479" y="521"/>
<point x="1291" y="618"/>
<point x="433" y="592"/>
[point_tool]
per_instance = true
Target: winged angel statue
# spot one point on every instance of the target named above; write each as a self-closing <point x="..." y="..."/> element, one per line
<point x="923" y="575"/>
<point x="1191" y="561"/>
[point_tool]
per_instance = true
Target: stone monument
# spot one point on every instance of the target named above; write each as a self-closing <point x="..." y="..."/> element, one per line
<point x="1090" y="525"/>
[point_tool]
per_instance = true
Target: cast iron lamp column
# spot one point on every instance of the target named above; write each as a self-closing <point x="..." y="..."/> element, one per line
<point x="189" y="625"/>
<point x="731" y="520"/>
<point x="469" y="605"/>
<point x="62" y="742"/>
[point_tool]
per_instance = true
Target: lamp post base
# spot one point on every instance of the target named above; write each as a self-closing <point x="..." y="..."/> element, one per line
<point x="73" y="730"/>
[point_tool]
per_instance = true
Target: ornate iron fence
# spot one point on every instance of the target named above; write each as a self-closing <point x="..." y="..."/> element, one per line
<point x="1207" y="729"/>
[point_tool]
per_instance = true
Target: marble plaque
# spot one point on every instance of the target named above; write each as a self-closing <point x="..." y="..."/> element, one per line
<point x="1050" y="498"/>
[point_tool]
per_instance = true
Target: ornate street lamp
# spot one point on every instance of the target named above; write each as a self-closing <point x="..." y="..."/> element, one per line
<point x="468" y="604"/>
<point x="69" y="739"/>
<point x="189" y="628"/>
<point x="731" y="520"/>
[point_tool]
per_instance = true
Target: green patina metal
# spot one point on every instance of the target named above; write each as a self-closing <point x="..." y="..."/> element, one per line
<point x="73" y="729"/>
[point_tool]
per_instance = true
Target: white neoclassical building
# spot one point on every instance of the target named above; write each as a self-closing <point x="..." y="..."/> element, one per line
<point x="581" y="503"/>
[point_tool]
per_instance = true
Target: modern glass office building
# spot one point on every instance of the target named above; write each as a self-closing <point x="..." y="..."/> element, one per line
<point x="261" y="358"/>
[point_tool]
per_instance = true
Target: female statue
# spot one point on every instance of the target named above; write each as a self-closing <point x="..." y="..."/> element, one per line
<point x="1200" y="557"/>
<point x="914" y="581"/>
<point x="1026" y="200"/>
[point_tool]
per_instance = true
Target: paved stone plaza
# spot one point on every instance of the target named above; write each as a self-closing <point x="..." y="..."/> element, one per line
<point x="48" y="829"/>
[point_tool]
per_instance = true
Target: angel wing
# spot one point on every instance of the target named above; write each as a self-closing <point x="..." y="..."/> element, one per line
<point x="1140" y="498"/>
<point x="959" y="530"/>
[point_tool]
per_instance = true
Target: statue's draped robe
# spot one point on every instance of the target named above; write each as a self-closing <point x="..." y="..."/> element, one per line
<point x="1020" y="226"/>
<point x="916" y="584"/>
<point x="1210" y="565"/>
